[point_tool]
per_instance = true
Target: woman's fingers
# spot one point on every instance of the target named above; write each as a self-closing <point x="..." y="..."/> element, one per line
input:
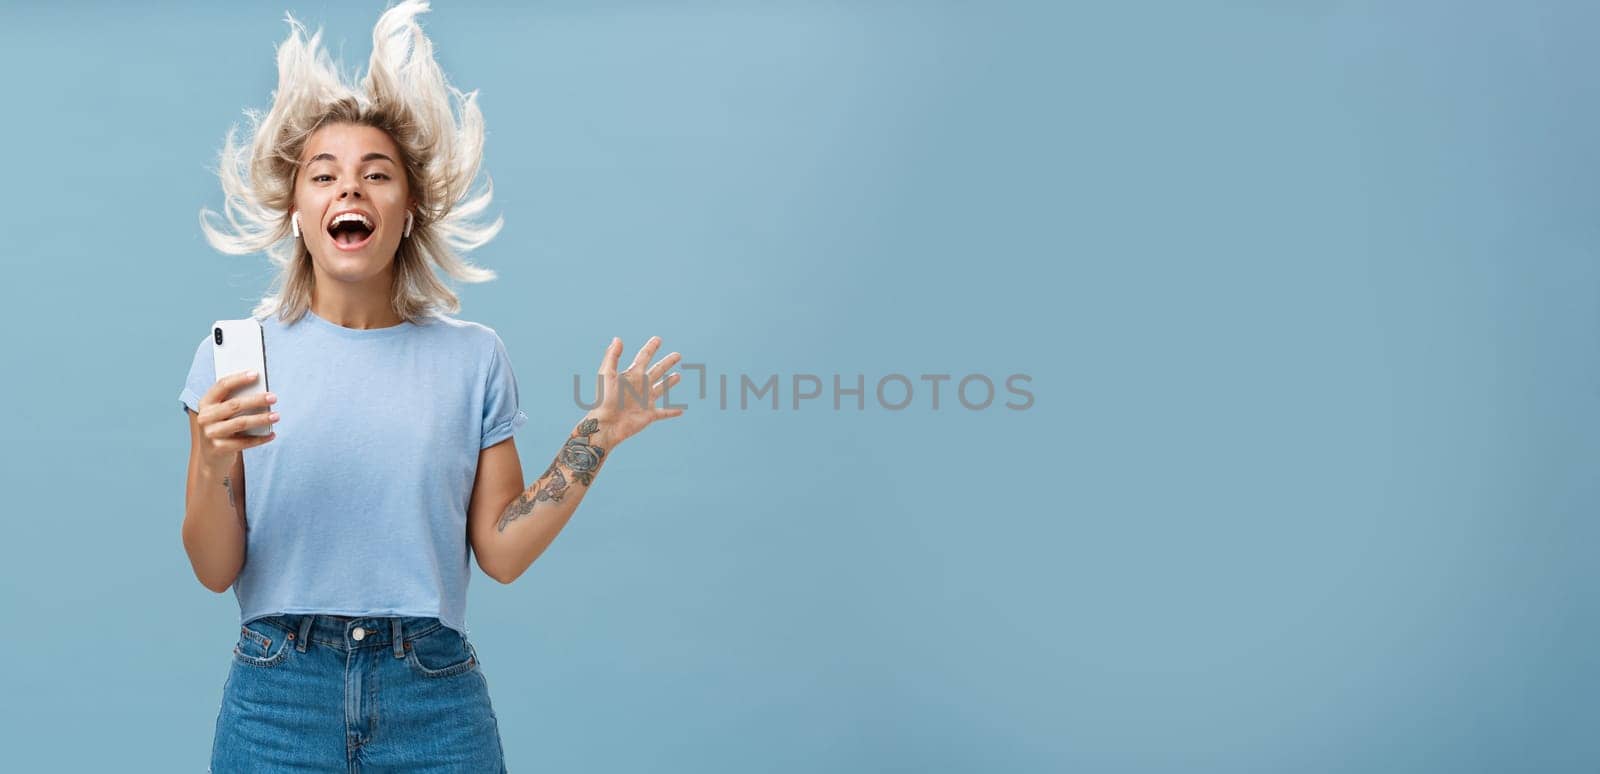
<point x="661" y="386"/>
<point x="231" y="427"/>
<point x="606" y="381"/>
<point x="254" y="420"/>
<point x="662" y="365"/>
<point x="226" y="386"/>
<point x="645" y="353"/>
<point x="608" y="361"/>
<point x="637" y="376"/>
<point x="223" y="410"/>
<point x="241" y="442"/>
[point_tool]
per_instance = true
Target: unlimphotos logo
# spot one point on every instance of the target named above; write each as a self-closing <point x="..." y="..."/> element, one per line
<point x="893" y="391"/>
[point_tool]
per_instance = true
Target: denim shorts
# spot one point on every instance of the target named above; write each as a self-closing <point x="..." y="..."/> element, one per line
<point x="355" y="694"/>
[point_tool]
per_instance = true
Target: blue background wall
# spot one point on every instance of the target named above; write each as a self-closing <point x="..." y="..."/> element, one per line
<point x="1306" y="292"/>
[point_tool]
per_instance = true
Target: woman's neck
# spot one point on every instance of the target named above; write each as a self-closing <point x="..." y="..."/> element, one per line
<point x="360" y="314"/>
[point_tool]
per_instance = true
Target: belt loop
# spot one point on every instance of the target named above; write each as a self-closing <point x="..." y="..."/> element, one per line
<point x="399" y="642"/>
<point x="305" y="632"/>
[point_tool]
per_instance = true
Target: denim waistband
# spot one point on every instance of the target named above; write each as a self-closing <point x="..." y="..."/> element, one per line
<point x="352" y="632"/>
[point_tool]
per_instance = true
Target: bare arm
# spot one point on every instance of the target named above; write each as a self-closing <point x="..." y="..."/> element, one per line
<point x="507" y="538"/>
<point x="214" y="520"/>
<point x="508" y="525"/>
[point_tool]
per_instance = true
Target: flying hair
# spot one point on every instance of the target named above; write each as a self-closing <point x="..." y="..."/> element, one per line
<point x="406" y="95"/>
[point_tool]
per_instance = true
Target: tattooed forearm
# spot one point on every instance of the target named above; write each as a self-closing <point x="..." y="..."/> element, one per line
<point x="555" y="484"/>
<point x="582" y="456"/>
<point x="227" y="483"/>
<point x="578" y="455"/>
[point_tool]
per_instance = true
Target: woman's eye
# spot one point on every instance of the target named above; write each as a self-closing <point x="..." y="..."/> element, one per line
<point x="318" y="178"/>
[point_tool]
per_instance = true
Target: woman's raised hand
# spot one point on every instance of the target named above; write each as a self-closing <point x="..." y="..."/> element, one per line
<point x="626" y="401"/>
<point x="221" y="422"/>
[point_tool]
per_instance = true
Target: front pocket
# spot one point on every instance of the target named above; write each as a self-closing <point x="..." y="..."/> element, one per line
<point x="261" y="645"/>
<point x="442" y="653"/>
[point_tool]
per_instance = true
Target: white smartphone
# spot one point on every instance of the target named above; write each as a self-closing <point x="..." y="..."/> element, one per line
<point x="239" y="345"/>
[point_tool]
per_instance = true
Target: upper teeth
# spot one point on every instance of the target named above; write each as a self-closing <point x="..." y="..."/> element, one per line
<point x="347" y="216"/>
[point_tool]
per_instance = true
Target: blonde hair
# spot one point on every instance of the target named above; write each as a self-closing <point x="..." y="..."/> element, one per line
<point x="406" y="95"/>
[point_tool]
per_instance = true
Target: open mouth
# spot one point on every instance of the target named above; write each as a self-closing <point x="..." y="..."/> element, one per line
<point x="351" y="231"/>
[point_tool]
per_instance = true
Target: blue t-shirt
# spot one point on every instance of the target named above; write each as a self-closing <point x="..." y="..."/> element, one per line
<point x="359" y="505"/>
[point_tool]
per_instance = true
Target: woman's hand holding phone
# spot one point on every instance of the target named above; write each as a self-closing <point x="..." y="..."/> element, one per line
<point x="221" y="421"/>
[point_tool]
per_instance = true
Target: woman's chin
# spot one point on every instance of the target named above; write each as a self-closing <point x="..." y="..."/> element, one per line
<point x="353" y="267"/>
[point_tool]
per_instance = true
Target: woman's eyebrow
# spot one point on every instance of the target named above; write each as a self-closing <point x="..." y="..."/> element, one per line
<point x="368" y="157"/>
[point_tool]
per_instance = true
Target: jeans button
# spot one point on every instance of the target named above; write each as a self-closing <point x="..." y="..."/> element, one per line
<point x="358" y="633"/>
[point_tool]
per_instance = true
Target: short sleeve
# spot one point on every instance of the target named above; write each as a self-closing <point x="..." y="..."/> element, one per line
<point x="202" y="374"/>
<point x="502" y="410"/>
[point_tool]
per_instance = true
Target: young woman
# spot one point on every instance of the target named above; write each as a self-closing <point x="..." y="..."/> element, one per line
<point x="346" y="533"/>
